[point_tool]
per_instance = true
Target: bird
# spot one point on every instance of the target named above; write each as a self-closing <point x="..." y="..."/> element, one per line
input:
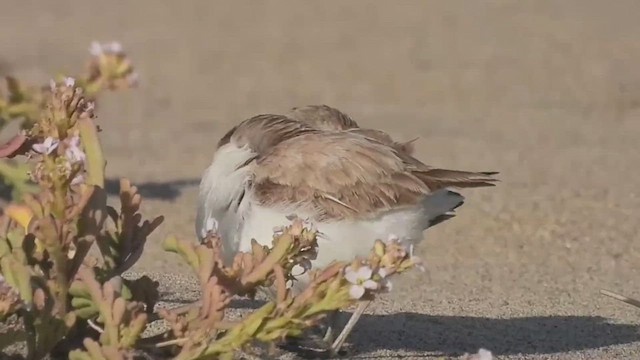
<point x="355" y="184"/>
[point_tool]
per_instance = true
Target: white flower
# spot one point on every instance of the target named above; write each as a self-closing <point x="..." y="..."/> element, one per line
<point x="90" y="106"/>
<point x="113" y="47"/>
<point x="74" y="153"/>
<point x="69" y="81"/>
<point x="483" y="354"/>
<point x="52" y="85"/>
<point x="360" y="280"/>
<point x="78" y="179"/>
<point x="95" y="49"/>
<point x="133" y="79"/>
<point x="48" y="145"/>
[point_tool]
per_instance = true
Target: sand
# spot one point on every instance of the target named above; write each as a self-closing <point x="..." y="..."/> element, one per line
<point x="546" y="92"/>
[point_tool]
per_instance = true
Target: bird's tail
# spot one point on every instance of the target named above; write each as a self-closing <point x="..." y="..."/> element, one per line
<point x="437" y="179"/>
<point x="440" y="206"/>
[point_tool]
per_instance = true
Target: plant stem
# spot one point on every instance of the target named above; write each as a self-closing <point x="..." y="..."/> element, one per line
<point x="95" y="163"/>
<point x="274" y="257"/>
<point x="171" y="342"/>
<point x="624" y="299"/>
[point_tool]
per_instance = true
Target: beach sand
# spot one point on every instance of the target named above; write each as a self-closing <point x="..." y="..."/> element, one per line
<point x="546" y="92"/>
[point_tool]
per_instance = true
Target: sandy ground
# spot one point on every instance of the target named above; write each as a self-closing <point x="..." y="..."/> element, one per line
<point x="546" y="92"/>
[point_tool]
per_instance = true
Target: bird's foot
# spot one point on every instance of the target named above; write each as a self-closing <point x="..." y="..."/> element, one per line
<point x="312" y="347"/>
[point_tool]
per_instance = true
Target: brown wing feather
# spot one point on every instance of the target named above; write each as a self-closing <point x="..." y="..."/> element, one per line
<point x="440" y="178"/>
<point x="342" y="174"/>
<point x="381" y="136"/>
<point x="337" y="175"/>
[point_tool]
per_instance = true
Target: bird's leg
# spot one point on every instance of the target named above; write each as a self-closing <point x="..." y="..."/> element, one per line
<point x="337" y="344"/>
<point x="331" y="326"/>
<point x="321" y="341"/>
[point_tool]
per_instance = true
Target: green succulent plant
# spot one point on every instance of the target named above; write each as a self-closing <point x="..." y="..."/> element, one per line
<point x="79" y="306"/>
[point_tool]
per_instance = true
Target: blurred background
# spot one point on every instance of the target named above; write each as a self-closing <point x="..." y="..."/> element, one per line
<point x="546" y="92"/>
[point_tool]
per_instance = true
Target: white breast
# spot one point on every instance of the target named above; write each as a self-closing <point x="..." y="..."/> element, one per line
<point x="339" y="240"/>
<point x="346" y="239"/>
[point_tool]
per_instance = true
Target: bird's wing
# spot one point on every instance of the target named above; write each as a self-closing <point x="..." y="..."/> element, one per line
<point x="341" y="175"/>
<point x="336" y="175"/>
<point x="381" y="136"/>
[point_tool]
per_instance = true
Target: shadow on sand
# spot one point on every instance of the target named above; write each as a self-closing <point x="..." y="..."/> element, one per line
<point x="166" y="190"/>
<point x="456" y="335"/>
